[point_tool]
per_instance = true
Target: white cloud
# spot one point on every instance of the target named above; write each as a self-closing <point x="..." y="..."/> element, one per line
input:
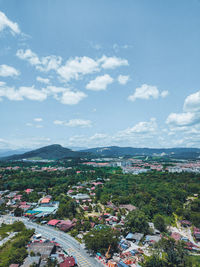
<point x="6" y="23"/>
<point x="23" y="92"/>
<point x="100" y="83"/>
<point x="143" y="127"/>
<point x="31" y="93"/>
<point x="38" y="119"/>
<point x="49" y="63"/>
<point x="140" y="135"/>
<point x="165" y="93"/>
<point x="28" y="55"/>
<point x="55" y="89"/>
<point x="74" y="123"/>
<point x="123" y="79"/>
<point x="76" y="67"/>
<point x="146" y="92"/>
<point x="6" y="71"/>
<point x="63" y="95"/>
<point x="34" y="125"/>
<point x="78" y="122"/>
<point x="43" y="64"/>
<point x="182" y="119"/>
<point x="192" y="102"/>
<point x="98" y="136"/>
<point x="58" y="122"/>
<point x="72" y="98"/>
<point x="29" y="124"/>
<point x="112" y="62"/>
<point x="43" y="80"/>
<point x="189" y="120"/>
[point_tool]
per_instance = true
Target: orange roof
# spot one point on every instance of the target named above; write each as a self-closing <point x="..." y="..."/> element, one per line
<point x="45" y="200"/>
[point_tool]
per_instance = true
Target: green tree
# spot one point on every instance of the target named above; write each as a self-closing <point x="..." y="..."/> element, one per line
<point x="18" y="212"/>
<point x="175" y="253"/>
<point x="136" y="221"/>
<point x="159" y="223"/>
<point x="100" y="240"/>
<point x="153" y="261"/>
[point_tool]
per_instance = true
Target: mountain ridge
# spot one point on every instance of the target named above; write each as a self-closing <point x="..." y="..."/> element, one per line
<point x="131" y="151"/>
<point x="57" y="152"/>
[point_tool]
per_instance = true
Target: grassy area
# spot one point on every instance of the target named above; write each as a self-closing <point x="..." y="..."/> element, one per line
<point x="194" y="261"/>
<point x="5" y="229"/>
<point x="14" y="251"/>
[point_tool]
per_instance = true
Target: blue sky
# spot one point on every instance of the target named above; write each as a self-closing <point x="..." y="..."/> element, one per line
<point x="99" y="73"/>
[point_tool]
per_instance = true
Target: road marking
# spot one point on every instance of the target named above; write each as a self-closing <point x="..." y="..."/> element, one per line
<point x="64" y="239"/>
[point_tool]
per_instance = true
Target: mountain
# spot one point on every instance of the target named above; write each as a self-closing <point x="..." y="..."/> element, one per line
<point x="115" y="151"/>
<point x="6" y="153"/>
<point x="56" y="152"/>
<point x="52" y="152"/>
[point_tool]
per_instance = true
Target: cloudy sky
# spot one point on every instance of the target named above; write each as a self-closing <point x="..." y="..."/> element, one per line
<point x="98" y="73"/>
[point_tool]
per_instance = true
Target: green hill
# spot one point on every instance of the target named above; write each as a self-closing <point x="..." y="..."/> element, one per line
<point x="52" y="152"/>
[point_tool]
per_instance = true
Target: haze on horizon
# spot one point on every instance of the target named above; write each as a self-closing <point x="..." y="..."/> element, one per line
<point x="99" y="73"/>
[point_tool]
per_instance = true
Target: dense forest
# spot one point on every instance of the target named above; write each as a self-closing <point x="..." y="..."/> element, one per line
<point x="153" y="193"/>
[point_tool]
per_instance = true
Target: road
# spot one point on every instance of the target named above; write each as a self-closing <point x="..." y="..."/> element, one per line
<point x="68" y="243"/>
<point x="6" y="239"/>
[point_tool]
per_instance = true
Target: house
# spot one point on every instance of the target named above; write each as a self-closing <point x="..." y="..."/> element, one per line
<point x="68" y="262"/>
<point x="152" y="227"/>
<point x="44" y="249"/>
<point x="28" y="190"/>
<point x="53" y="222"/>
<point x="29" y="261"/>
<point x="185" y="223"/>
<point x="45" y="200"/>
<point x="136" y="237"/>
<point x="112" y="263"/>
<point x="197" y="236"/>
<point x="127" y="207"/>
<point x="81" y="197"/>
<point x="24" y="207"/>
<point x="65" y="225"/>
<point x="152" y="239"/>
<point x="176" y="236"/>
<point x="17" y="197"/>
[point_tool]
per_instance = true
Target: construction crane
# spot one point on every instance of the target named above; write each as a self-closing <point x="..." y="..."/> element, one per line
<point x="108" y="256"/>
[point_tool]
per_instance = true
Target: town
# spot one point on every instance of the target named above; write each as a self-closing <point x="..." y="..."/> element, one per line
<point x="73" y="213"/>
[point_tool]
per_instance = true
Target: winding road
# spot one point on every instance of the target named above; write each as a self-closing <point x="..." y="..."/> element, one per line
<point x="68" y="243"/>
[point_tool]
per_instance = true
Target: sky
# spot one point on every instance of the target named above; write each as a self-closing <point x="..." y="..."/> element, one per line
<point x="99" y="73"/>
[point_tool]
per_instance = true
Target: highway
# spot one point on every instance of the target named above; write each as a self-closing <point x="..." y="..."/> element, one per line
<point x="68" y="243"/>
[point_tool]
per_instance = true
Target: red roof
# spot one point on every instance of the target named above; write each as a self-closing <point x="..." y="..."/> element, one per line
<point x="53" y="222"/>
<point x="176" y="236"/>
<point x="68" y="262"/>
<point x="28" y="190"/>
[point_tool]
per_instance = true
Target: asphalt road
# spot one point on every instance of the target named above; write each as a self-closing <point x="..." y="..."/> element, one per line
<point x="68" y="243"/>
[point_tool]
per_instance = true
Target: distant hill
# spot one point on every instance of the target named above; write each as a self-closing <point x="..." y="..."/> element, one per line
<point x="57" y="152"/>
<point x="115" y="151"/>
<point x="52" y="152"/>
<point x="6" y="152"/>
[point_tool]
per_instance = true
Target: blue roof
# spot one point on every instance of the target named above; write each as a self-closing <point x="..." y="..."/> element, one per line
<point x="122" y="264"/>
<point x="133" y="252"/>
<point x="129" y="236"/>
